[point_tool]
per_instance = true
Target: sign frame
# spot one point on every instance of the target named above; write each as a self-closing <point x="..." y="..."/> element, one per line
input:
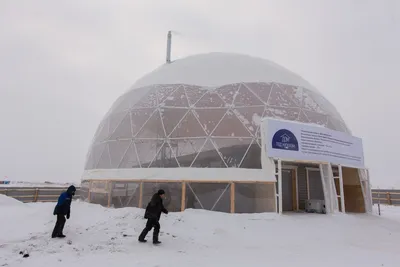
<point x="309" y="143"/>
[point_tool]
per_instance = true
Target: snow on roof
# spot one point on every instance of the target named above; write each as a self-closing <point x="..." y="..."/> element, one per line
<point x="181" y="174"/>
<point x="217" y="69"/>
<point x="36" y="184"/>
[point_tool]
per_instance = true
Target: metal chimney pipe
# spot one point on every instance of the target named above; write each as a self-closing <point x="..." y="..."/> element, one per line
<point x="169" y="37"/>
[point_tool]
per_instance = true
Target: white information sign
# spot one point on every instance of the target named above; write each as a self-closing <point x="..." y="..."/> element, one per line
<point x="304" y="142"/>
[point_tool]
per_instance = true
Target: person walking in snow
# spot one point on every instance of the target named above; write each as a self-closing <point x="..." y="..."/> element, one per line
<point x="153" y="214"/>
<point x="62" y="209"/>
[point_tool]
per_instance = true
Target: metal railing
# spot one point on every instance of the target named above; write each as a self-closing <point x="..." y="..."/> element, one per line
<point x="386" y="197"/>
<point x="35" y="194"/>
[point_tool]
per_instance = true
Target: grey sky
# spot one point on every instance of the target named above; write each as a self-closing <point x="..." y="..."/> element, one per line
<point x="62" y="65"/>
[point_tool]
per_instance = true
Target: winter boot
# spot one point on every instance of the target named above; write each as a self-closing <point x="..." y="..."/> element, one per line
<point x="143" y="235"/>
<point x="61" y="236"/>
<point x="156" y="232"/>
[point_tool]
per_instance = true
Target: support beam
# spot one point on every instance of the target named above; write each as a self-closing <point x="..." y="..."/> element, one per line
<point x="140" y="195"/>
<point x="295" y="203"/>
<point x="36" y="195"/>
<point x="183" y="200"/>
<point x="388" y="198"/>
<point x="280" y="185"/>
<point x="232" y="197"/>
<point x="342" y="204"/>
<point x="90" y="189"/>
<point x="109" y="189"/>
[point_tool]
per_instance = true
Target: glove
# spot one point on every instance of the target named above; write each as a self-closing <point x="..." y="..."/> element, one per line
<point x="68" y="215"/>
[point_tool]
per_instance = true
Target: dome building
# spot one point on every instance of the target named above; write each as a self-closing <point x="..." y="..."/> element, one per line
<point x="192" y="127"/>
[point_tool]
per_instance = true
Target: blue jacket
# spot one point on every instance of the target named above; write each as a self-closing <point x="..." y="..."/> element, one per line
<point x="63" y="206"/>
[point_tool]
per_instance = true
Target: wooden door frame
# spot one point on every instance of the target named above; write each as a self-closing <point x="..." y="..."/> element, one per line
<point x="295" y="185"/>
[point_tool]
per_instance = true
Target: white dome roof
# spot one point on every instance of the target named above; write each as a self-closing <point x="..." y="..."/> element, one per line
<point x="204" y="111"/>
<point x="217" y="69"/>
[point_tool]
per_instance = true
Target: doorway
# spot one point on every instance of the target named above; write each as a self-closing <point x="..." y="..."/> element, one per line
<point x="289" y="190"/>
<point x="315" y="188"/>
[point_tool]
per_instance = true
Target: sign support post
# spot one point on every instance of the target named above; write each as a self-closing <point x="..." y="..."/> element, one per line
<point x="280" y="185"/>
<point x="341" y="188"/>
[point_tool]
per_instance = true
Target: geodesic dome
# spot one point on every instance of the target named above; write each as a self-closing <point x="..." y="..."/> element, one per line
<point x="204" y="111"/>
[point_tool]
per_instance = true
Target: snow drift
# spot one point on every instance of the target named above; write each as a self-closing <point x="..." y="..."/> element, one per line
<point x="9" y="202"/>
<point x="108" y="237"/>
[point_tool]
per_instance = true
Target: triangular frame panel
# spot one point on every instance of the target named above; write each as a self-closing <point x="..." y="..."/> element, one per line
<point x="228" y="93"/>
<point x="117" y="151"/>
<point x="153" y="128"/>
<point x="232" y="150"/>
<point x="210" y="100"/>
<point x="194" y="93"/>
<point x="139" y="117"/>
<point x="187" y="149"/>
<point x="177" y="99"/>
<point x="209" y="118"/>
<point x="164" y="161"/>
<point x="130" y="158"/>
<point x="209" y="157"/>
<point x="246" y="98"/>
<point x="261" y="90"/>
<point x="230" y="125"/>
<point x="105" y="159"/>
<point x="123" y="130"/>
<point x="278" y="98"/>
<point x="172" y="117"/>
<point x="188" y="127"/>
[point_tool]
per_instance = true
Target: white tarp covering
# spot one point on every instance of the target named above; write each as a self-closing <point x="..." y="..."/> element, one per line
<point x="181" y="174"/>
<point x="303" y="142"/>
<point x="217" y="69"/>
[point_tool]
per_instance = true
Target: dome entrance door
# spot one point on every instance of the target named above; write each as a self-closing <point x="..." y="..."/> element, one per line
<point x="289" y="190"/>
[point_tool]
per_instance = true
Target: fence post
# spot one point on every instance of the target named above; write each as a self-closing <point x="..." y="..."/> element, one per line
<point x="379" y="201"/>
<point x="109" y="185"/>
<point x="36" y="195"/>
<point x="140" y="195"/>
<point x="232" y="197"/>
<point x="389" y="200"/>
<point x="89" y="193"/>
<point x="183" y="199"/>
<point x="5" y="192"/>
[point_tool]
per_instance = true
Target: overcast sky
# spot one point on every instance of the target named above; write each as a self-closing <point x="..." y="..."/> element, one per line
<point x="63" y="63"/>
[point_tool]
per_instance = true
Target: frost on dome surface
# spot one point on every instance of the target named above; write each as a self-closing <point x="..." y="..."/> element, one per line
<point x="197" y="125"/>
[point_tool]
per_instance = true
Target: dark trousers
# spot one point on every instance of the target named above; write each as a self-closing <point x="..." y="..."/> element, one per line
<point x="59" y="227"/>
<point x="149" y="225"/>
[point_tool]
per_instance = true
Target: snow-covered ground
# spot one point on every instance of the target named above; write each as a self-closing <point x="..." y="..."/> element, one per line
<point x="196" y="238"/>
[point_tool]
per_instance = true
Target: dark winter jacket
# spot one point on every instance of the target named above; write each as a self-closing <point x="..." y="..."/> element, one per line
<point x="154" y="208"/>
<point x="63" y="206"/>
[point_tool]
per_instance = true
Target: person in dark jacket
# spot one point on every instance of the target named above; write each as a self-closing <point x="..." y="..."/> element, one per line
<point x="153" y="214"/>
<point x="62" y="209"/>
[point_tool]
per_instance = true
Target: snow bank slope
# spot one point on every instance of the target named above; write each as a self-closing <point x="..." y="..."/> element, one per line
<point x="8" y="201"/>
<point x="199" y="238"/>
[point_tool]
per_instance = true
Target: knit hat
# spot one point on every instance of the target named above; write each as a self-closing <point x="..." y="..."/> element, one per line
<point x="161" y="192"/>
